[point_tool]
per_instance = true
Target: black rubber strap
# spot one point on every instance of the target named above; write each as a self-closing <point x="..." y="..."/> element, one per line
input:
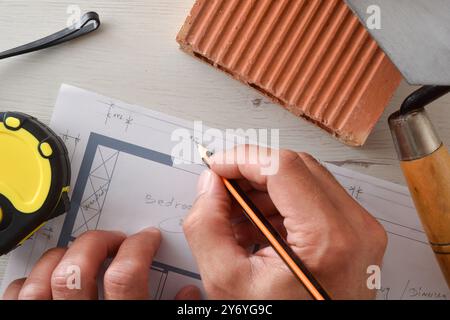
<point x="89" y="22"/>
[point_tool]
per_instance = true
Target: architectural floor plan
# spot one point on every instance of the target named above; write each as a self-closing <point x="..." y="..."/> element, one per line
<point x="125" y="177"/>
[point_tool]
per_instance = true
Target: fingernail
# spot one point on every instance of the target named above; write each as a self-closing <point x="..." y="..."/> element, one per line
<point x="150" y="229"/>
<point x="204" y="182"/>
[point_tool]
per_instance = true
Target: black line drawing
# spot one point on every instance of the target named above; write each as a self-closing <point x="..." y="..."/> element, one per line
<point x="91" y="190"/>
<point x="172" y="225"/>
<point x="71" y="141"/>
<point x="163" y="274"/>
<point x="99" y="181"/>
<point x="355" y="191"/>
<point x="118" y="113"/>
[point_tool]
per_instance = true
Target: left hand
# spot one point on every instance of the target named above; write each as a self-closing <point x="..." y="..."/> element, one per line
<point x="125" y="278"/>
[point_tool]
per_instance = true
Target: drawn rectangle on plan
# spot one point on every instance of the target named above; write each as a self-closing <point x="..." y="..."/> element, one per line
<point x="108" y="165"/>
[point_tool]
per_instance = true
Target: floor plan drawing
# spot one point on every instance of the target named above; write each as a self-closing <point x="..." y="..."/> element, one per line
<point x="126" y="177"/>
<point x="102" y="157"/>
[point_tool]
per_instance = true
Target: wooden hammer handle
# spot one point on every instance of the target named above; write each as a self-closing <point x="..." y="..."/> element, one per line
<point x="429" y="183"/>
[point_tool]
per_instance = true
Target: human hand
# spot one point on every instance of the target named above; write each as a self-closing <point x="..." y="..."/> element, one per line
<point x="336" y="238"/>
<point x="125" y="278"/>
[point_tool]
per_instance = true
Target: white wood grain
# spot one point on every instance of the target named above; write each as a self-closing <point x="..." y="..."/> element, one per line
<point x="134" y="57"/>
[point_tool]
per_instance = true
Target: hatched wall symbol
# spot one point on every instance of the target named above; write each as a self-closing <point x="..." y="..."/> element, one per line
<point x="94" y="197"/>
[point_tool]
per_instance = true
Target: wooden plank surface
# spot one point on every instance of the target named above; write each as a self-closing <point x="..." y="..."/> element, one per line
<point x="134" y="57"/>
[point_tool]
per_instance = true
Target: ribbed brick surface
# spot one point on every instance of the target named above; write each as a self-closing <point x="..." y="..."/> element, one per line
<point x="312" y="56"/>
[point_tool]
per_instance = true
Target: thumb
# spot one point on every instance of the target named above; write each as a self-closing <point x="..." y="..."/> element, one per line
<point x="208" y="227"/>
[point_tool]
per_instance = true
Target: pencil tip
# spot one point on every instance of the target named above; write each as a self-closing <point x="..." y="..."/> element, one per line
<point x="205" y="154"/>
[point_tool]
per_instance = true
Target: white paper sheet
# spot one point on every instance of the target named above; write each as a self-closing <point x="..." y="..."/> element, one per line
<point x="123" y="177"/>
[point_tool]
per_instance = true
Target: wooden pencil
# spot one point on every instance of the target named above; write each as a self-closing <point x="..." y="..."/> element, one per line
<point x="277" y="242"/>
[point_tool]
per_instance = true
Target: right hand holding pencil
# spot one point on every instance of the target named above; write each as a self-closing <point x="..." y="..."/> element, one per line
<point x="336" y="238"/>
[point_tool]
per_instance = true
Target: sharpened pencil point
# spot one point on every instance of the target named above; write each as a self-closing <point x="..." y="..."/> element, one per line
<point x="205" y="154"/>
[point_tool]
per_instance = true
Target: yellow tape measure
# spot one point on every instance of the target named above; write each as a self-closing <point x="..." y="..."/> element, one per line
<point x="34" y="178"/>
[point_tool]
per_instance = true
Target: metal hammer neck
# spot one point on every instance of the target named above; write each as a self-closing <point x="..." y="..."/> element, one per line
<point x="414" y="135"/>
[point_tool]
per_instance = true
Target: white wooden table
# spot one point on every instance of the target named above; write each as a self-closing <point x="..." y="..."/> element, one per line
<point x="134" y="57"/>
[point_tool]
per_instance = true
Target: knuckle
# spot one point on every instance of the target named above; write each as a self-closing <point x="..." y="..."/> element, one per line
<point x="17" y="283"/>
<point x="121" y="278"/>
<point x="91" y="235"/>
<point x="54" y="253"/>
<point x="152" y="239"/>
<point x="190" y="223"/>
<point x="346" y="244"/>
<point x="199" y="217"/>
<point x="58" y="281"/>
<point x="194" y="219"/>
<point x="383" y="239"/>
<point x="342" y="245"/>
<point x="288" y="156"/>
<point x="379" y="236"/>
<point x="307" y="158"/>
<point x="33" y="291"/>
